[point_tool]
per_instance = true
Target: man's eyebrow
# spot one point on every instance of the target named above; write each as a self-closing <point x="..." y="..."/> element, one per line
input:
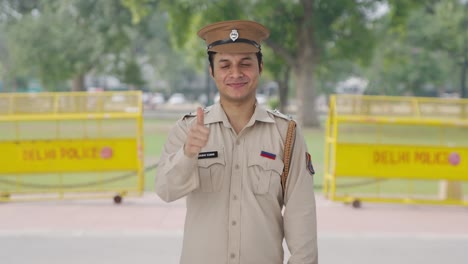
<point x="243" y="59"/>
<point x="223" y="60"/>
<point x="246" y="58"/>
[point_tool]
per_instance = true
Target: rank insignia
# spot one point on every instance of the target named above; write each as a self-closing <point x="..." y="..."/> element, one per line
<point x="310" y="168"/>
<point x="268" y="155"/>
<point x="234" y="35"/>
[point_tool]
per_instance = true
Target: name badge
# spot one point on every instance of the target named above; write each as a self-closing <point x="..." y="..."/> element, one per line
<point x="208" y="155"/>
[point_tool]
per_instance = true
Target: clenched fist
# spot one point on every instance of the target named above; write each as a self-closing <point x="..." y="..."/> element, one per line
<point x="197" y="136"/>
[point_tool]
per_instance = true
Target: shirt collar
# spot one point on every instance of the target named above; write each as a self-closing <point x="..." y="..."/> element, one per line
<point x="261" y="114"/>
<point x="216" y="114"/>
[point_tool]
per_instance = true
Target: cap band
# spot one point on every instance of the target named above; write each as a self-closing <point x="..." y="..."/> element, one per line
<point x="228" y="41"/>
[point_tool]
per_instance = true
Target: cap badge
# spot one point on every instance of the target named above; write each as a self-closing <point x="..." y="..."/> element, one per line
<point x="234" y="35"/>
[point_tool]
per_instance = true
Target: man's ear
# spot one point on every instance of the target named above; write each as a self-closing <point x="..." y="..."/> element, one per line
<point x="261" y="68"/>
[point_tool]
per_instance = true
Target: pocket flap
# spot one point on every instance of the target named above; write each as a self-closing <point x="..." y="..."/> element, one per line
<point x="255" y="159"/>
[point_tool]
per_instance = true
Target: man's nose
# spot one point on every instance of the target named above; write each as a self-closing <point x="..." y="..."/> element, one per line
<point x="236" y="72"/>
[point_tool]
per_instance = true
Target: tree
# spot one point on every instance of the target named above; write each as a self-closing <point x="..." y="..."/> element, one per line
<point x="170" y="70"/>
<point x="421" y="55"/>
<point x="62" y="40"/>
<point x="308" y="33"/>
<point x="444" y="29"/>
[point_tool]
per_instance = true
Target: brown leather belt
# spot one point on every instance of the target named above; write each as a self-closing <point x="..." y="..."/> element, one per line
<point x="288" y="146"/>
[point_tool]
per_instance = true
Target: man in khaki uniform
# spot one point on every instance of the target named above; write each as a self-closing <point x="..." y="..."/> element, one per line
<point x="227" y="161"/>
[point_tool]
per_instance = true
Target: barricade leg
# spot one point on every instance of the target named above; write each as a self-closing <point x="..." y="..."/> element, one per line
<point x="450" y="190"/>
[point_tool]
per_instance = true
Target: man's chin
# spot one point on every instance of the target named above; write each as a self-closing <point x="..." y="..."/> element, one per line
<point x="236" y="99"/>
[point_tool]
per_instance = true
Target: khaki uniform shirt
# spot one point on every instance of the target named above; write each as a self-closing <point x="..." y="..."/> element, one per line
<point x="233" y="192"/>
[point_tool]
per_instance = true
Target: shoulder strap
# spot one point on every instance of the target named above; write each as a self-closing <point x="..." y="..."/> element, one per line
<point x="288" y="145"/>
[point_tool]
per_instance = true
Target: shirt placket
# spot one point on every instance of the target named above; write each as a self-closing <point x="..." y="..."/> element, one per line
<point x="235" y="201"/>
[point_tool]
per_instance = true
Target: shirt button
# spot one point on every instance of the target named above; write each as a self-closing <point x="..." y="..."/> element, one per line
<point x="237" y="167"/>
<point x="237" y="142"/>
<point x="233" y="255"/>
<point x="234" y="197"/>
<point x="234" y="223"/>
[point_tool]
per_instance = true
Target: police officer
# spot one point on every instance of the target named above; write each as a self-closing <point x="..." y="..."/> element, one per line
<point x="227" y="160"/>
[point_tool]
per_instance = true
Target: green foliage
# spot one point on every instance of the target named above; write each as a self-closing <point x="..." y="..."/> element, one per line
<point x="139" y="8"/>
<point x="419" y="44"/>
<point x="60" y="40"/>
<point x="274" y="103"/>
<point x="422" y="59"/>
<point x="132" y="74"/>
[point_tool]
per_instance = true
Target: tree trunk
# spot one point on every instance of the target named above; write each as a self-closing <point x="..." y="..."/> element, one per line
<point x="14" y="84"/>
<point x="463" y="93"/>
<point x="78" y="83"/>
<point x="464" y="67"/>
<point x="304" y="70"/>
<point x="306" y="110"/>
<point x="283" y="87"/>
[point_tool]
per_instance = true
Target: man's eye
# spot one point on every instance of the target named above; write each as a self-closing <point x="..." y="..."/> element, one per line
<point x="246" y="65"/>
<point x="224" y="66"/>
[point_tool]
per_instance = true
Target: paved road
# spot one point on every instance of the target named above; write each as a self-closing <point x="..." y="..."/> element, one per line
<point x="154" y="247"/>
<point x="147" y="230"/>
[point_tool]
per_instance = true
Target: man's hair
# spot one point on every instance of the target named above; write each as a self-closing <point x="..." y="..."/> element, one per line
<point x="212" y="53"/>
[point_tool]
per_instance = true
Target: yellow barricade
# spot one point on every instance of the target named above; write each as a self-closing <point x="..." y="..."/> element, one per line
<point x="71" y="145"/>
<point x="396" y="149"/>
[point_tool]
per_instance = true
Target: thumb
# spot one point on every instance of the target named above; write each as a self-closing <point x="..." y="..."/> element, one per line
<point x="200" y="117"/>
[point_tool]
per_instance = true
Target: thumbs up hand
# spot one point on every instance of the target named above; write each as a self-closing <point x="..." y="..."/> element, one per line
<point x="197" y="137"/>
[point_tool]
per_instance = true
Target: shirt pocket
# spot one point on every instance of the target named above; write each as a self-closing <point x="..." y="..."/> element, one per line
<point x="264" y="173"/>
<point x="211" y="171"/>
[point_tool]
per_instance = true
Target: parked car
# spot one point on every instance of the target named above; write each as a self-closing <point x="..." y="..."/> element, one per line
<point x="157" y="99"/>
<point x="177" y="98"/>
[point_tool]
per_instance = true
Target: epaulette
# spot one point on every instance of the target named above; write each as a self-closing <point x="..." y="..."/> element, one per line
<point x="191" y="114"/>
<point x="277" y="113"/>
<point x="194" y="114"/>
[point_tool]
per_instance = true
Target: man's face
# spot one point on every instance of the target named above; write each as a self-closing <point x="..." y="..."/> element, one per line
<point x="236" y="76"/>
